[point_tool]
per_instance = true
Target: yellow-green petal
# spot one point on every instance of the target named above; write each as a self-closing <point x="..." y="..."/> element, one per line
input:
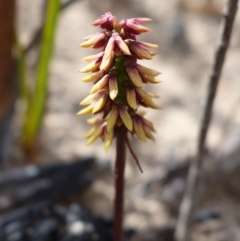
<point x="149" y="45"/>
<point x="99" y="104"/>
<point x="148" y="124"/>
<point x="88" y="100"/>
<point x="140" y="51"/>
<point x="108" y="54"/>
<point x="146" y="98"/>
<point x="93" y="77"/>
<point x="149" y="134"/>
<point x="108" y="138"/>
<point x="122" y="45"/>
<point x="134" y="76"/>
<point x="126" y="118"/>
<point x="93" y="120"/>
<point x="153" y="95"/>
<point x="112" y="118"/>
<point x="138" y="129"/>
<point x="90" y="67"/>
<point x="146" y="71"/>
<point x="131" y="98"/>
<point x="94" y="136"/>
<point x="90" y="132"/>
<point x="113" y="87"/>
<point x="100" y="84"/>
<point x="86" y="111"/>
<point x="92" y="39"/>
<point x="151" y="80"/>
<point x="92" y="57"/>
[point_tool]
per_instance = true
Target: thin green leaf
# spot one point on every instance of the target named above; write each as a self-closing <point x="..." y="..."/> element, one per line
<point x="22" y="71"/>
<point x="37" y="105"/>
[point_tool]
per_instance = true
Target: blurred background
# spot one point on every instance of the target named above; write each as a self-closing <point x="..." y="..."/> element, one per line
<point x="52" y="186"/>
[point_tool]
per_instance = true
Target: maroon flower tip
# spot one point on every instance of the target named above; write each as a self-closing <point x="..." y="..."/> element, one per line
<point x="142" y="19"/>
<point x="106" y="21"/>
<point x="132" y="26"/>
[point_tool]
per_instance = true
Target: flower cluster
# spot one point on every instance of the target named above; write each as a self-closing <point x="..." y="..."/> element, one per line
<point x="118" y="80"/>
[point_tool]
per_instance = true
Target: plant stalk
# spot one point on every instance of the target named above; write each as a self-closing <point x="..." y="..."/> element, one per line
<point x="119" y="185"/>
<point x="183" y="227"/>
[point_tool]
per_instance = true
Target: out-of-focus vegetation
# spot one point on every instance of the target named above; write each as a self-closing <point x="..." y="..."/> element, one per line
<point x="16" y="76"/>
<point x="7" y="85"/>
<point x="36" y="99"/>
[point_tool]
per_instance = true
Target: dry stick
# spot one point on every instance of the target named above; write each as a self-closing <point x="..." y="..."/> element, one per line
<point x="187" y="206"/>
<point x="119" y="185"/>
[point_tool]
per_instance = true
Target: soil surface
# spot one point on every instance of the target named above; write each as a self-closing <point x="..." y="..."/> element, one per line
<point x="186" y="32"/>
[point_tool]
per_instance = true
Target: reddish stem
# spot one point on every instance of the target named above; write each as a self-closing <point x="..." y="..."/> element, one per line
<point x="119" y="185"/>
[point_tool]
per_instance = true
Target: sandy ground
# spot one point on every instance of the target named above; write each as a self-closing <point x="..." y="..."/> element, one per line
<point x="186" y="33"/>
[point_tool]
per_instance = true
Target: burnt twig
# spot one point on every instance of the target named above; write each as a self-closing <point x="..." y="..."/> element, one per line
<point x="186" y="209"/>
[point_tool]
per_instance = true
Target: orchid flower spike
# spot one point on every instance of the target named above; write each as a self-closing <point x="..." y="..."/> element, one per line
<point x="118" y="80"/>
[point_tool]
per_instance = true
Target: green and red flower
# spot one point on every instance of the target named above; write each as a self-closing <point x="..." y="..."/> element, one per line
<point x="118" y="80"/>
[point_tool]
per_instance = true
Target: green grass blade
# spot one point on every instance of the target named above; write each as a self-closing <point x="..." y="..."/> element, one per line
<point x="22" y="70"/>
<point x="37" y="105"/>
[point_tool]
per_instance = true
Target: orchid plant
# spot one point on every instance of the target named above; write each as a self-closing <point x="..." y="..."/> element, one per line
<point x="117" y="92"/>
